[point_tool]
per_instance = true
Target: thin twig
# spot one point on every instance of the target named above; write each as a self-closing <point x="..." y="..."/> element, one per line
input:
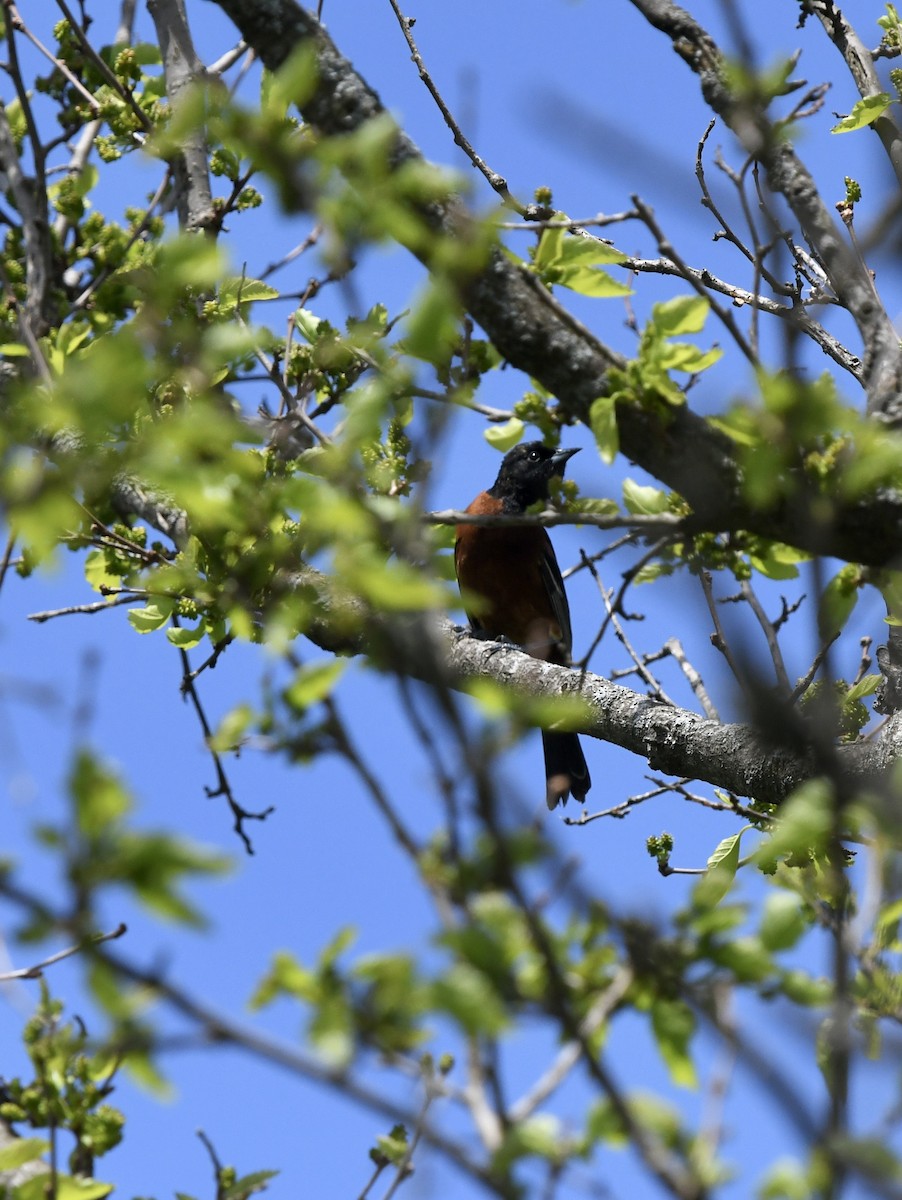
<point x="7" y="557"/>
<point x="17" y="23"/>
<point x="599" y="221"/>
<point x="718" y="638"/>
<point x="224" y="787"/>
<point x="617" y="603"/>
<point x="37" y="970"/>
<point x="496" y="181"/>
<point x="640" y="667"/>
<point x="569" y="1055"/>
<point x="666" y="248"/>
<point x="95" y="607"/>
<point x="674" y="648"/>
<point x="111" y="78"/>
<point x="770" y="632"/>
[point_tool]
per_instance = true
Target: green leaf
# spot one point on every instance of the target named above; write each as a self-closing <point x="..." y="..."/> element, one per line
<point x="838" y="600"/>
<point x="864" y="112"/>
<point x="784" y="921"/>
<point x="97" y="572"/>
<point x="746" y="957"/>
<point x="146" y="54"/>
<point x="866" y="686"/>
<point x="465" y="994"/>
<point x="561" y="248"/>
<point x="152" y="616"/>
<point x="674" y="1024"/>
<point x="241" y="290"/>
<point x="541" y="1135"/>
<point x="154" y="864"/>
<point x="292" y="83"/>
<point x="248" y="1184"/>
<point x="588" y="281"/>
<point x="603" y="421"/>
<point x="682" y="356"/>
<point x="392" y="1147"/>
<point x="573" y="259"/>
<point x="313" y="682"/>
<point x="805" y="825"/>
<point x="505" y="437"/>
<point x="577" y="250"/>
<point x="85" y="180"/>
<point x="100" y="798"/>
<point x="432" y="329"/>
<point x="600" y="506"/>
<point x="20" y="1151"/>
<point x="786" y="1179"/>
<point x="806" y="989"/>
<point x="604" y="1124"/>
<point x="67" y="1188"/>
<point x="644" y="501"/>
<point x="232" y="728"/>
<point x="548" y="251"/>
<point x="682" y="314"/>
<point x="185" y="638"/>
<point x="285" y="977"/>
<point x="778" y="561"/>
<point x="722" y="867"/>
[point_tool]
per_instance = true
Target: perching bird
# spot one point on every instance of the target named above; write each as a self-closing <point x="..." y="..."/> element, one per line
<point x="515" y="572"/>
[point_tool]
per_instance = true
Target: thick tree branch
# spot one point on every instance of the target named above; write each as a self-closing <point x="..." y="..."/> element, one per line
<point x="537" y="335"/>
<point x="678" y="742"/>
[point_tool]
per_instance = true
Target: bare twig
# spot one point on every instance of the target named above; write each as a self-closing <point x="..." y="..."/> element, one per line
<point x="668" y="250"/>
<point x="770" y="632"/>
<point x="616" y="605"/>
<point x="640" y="666"/>
<point x="37" y="969"/>
<point x="7" y="557"/>
<point x="718" y="637"/>
<point x="568" y="1056"/>
<point x="674" y="648"/>
<point x="95" y="606"/>
<point x="224" y="787"/>
<point x="496" y="181"/>
<point x="599" y="221"/>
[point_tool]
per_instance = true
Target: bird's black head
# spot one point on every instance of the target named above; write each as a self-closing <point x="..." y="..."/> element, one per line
<point x="526" y="472"/>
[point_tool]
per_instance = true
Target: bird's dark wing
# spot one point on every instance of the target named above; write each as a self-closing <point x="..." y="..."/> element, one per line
<point x="557" y="597"/>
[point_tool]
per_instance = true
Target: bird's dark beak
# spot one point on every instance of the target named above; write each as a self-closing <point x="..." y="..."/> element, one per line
<point x="560" y="458"/>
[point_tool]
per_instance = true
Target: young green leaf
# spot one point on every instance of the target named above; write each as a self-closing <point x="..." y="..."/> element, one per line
<point x="644" y="501"/>
<point x="505" y="437"/>
<point x="864" y="112"/>
<point x="603" y="419"/>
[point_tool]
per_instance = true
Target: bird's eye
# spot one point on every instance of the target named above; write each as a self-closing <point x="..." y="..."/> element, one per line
<point x="533" y="456"/>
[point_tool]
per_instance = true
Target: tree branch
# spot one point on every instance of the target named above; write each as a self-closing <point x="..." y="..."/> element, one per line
<point x="735" y="757"/>
<point x="183" y="69"/>
<point x="788" y="175"/>
<point x="537" y="335"/>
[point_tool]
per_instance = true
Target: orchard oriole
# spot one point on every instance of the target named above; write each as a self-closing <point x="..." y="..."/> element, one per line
<point x="515" y="573"/>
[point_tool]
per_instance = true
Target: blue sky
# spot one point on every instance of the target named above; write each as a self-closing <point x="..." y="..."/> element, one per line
<point x="520" y="75"/>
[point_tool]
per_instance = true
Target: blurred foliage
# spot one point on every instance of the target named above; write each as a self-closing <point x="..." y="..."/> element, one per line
<point x="141" y="395"/>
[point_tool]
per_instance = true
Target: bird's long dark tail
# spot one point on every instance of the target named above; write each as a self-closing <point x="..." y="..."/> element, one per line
<point x="565" y="768"/>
